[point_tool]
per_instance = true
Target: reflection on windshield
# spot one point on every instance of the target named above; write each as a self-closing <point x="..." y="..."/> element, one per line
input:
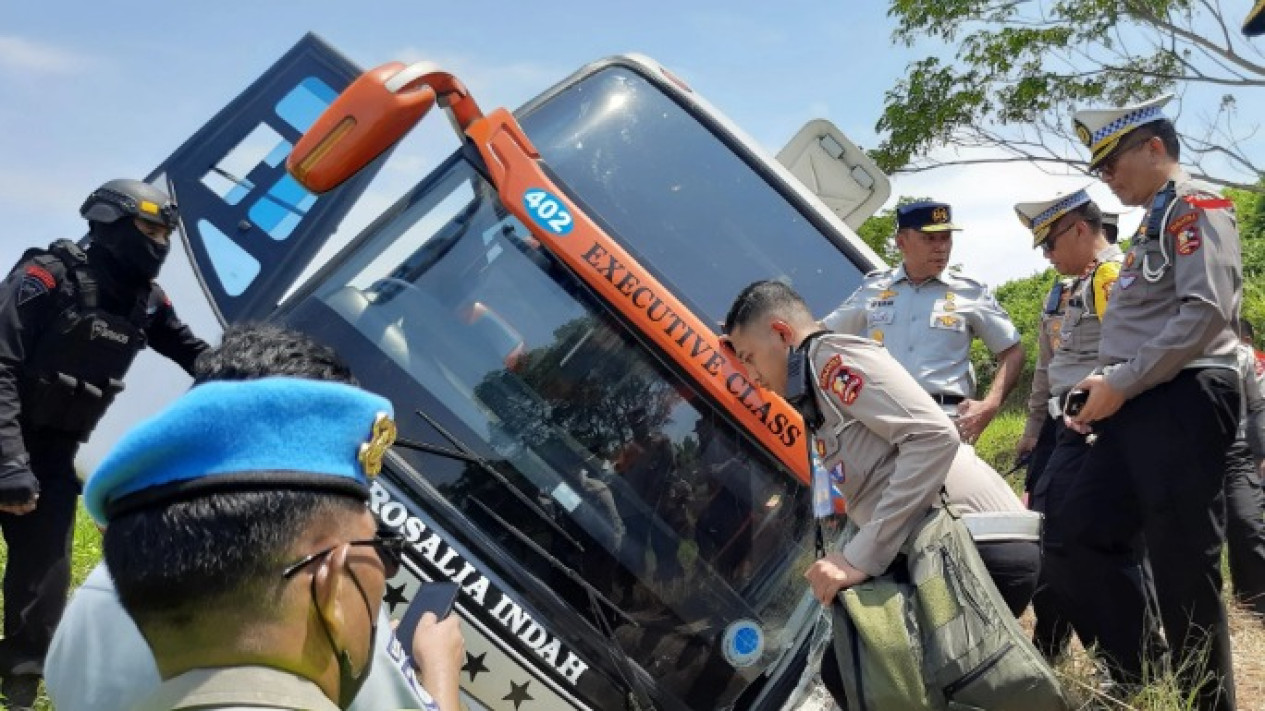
<point x="684" y="204"/>
<point x="682" y="523"/>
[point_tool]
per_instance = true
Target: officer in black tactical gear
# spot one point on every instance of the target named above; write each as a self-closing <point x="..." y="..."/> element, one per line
<point x="71" y="322"/>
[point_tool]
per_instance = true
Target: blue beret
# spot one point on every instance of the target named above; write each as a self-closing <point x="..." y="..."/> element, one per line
<point x="925" y="217"/>
<point x="272" y="433"/>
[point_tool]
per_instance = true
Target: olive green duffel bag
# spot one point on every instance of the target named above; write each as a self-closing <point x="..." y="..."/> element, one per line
<point x="933" y="632"/>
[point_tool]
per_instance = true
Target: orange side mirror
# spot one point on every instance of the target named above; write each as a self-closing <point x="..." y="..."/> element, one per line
<point x="366" y="119"/>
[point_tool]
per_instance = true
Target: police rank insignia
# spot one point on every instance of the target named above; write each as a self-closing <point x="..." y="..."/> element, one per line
<point x="381" y="438"/>
<point x="887" y="294"/>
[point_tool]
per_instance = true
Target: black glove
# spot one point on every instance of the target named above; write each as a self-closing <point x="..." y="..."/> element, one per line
<point x="18" y="484"/>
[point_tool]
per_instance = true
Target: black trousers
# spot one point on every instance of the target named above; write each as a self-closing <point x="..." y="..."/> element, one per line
<point x="1053" y="601"/>
<point x="1245" y="527"/>
<point x="1040" y="456"/>
<point x="1158" y="467"/>
<point x="37" y="574"/>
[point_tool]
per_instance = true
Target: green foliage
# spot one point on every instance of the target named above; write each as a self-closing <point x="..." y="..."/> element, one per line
<point x="1023" y="299"/>
<point x="1007" y="74"/>
<point x="1250" y="209"/>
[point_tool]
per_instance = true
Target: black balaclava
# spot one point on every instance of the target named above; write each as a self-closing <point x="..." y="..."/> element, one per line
<point x="126" y="253"/>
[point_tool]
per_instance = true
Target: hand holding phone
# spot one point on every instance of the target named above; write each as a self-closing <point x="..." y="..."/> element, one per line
<point x="438" y="598"/>
<point x="1075" y="402"/>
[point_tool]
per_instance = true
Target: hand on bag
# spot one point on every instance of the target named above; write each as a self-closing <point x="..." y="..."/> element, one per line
<point x="19" y="489"/>
<point x="831" y="574"/>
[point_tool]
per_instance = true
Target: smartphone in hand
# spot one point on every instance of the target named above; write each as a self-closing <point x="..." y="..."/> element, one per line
<point x="437" y="597"/>
<point x="1075" y="402"/>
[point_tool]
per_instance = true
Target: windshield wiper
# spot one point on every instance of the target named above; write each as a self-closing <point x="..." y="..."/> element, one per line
<point x="465" y="454"/>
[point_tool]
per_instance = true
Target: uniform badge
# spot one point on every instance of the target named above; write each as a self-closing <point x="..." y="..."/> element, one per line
<point x="1180" y="224"/>
<point x="1128" y="260"/>
<point x="821" y="448"/>
<point x="948" y="321"/>
<point x="877" y="335"/>
<point x="1260" y="364"/>
<point x="846" y="385"/>
<point x="887" y="294"/>
<point x="1188" y="241"/>
<point x="828" y="371"/>
<point x="1056" y="333"/>
<point x="36" y="282"/>
<point x="1126" y="280"/>
<point x="381" y="438"/>
<point x="950" y="296"/>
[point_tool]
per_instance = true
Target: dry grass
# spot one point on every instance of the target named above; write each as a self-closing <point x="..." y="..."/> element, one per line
<point x="1247" y="631"/>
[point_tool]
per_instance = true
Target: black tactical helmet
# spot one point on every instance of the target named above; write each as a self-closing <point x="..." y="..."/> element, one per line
<point x="124" y="197"/>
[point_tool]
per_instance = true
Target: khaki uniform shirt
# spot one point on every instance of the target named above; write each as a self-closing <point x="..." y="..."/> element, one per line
<point x="1067" y="346"/>
<point x="928" y="328"/>
<point x="1178" y="296"/>
<point x="245" y="687"/>
<point x="894" y="447"/>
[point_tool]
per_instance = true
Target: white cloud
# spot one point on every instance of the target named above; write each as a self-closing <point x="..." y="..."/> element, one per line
<point x="24" y="55"/>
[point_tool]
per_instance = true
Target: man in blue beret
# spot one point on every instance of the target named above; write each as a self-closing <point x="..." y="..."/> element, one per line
<point x="280" y="609"/>
<point x="98" y="660"/>
<point x="927" y="315"/>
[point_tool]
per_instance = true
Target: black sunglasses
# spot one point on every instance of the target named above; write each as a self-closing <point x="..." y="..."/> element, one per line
<point x="389" y="545"/>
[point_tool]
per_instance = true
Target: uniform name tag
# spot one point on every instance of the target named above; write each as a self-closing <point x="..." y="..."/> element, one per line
<point x="877" y="318"/>
<point x="947" y="321"/>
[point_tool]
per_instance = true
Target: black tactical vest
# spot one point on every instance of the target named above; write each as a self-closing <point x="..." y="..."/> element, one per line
<point x="76" y="368"/>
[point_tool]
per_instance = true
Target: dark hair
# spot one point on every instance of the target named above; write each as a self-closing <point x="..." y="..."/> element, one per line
<point x="1168" y="136"/>
<point x="260" y="350"/>
<point x="761" y="298"/>
<point x="225" y="551"/>
<point x="1091" y="214"/>
<point x="1246" y="330"/>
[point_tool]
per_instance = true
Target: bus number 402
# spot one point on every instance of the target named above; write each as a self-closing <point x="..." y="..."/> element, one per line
<point x="548" y="211"/>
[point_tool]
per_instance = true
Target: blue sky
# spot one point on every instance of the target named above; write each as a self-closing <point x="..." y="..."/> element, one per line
<point x="94" y="91"/>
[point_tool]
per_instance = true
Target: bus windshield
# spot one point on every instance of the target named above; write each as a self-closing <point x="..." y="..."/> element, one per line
<point x="683" y="523"/>
<point x="693" y="212"/>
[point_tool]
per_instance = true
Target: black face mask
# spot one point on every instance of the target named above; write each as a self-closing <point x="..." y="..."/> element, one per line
<point x="134" y="254"/>
<point x="350" y="683"/>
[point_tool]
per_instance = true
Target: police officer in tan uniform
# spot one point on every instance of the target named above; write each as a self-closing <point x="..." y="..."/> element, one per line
<point x="1069" y="230"/>
<point x="926" y="315"/>
<point x="887" y="446"/>
<point x="1164" y="407"/>
<point x="882" y="445"/>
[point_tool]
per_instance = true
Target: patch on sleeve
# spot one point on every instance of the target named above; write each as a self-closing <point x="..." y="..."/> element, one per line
<point x="1260" y="364"/>
<point x="1207" y="201"/>
<point x="36" y="282"/>
<point x="832" y="365"/>
<point x="846" y="385"/>
<point x="1179" y="224"/>
<point x="1188" y="241"/>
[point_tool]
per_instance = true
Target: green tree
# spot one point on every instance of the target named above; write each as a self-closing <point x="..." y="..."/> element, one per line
<point x="1007" y="72"/>
<point x="1250" y="209"/>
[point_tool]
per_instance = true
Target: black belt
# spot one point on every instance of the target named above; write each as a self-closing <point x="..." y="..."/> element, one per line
<point x="947" y="399"/>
